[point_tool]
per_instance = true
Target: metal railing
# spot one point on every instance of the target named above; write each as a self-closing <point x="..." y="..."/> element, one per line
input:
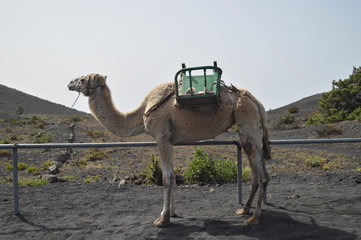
<point x="15" y="147"/>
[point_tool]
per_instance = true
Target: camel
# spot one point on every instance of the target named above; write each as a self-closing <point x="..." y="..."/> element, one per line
<point x="169" y="124"/>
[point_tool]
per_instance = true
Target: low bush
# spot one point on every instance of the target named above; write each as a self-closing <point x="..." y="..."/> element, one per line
<point x="315" y="161"/>
<point x="90" y="179"/>
<point x="33" y="170"/>
<point x="32" y="182"/>
<point x="246" y="173"/>
<point x="286" y="118"/>
<point x="4" y="141"/>
<point x="21" y="166"/>
<point x="95" y="134"/>
<point x="92" y="155"/>
<point x="292" y="110"/>
<point x="204" y="169"/>
<point x="5" y="153"/>
<point x="153" y="172"/>
<point x="44" y="139"/>
<point x="68" y="178"/>
<point x="328" y="130"/>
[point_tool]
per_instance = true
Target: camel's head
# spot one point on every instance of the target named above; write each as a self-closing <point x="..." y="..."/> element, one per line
<point x="88" y="84"/>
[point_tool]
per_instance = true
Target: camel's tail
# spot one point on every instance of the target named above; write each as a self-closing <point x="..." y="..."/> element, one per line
<point x="266" y="144"/>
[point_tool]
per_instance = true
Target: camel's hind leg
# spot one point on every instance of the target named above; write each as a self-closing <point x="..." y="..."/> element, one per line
<point x="246" y="208"/>
<point x="250" y="117"/>
<point x="260" y="179"/>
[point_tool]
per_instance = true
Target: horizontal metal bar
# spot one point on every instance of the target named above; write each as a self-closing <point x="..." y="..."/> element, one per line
<point x="114" y="144"/>
<point x="311" y="141"/>
<point x="152" y="144"/>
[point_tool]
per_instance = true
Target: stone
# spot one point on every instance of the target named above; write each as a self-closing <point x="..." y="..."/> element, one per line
<point x="50" y="178"/>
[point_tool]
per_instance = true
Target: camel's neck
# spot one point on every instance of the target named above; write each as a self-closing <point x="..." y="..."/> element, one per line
<point x="121" y="124"/>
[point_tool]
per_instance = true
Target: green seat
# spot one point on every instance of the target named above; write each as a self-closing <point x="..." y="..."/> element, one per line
<point x="194" y="86"/>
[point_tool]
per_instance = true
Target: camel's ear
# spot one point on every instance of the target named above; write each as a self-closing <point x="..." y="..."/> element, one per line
<point x="101" y="79"/>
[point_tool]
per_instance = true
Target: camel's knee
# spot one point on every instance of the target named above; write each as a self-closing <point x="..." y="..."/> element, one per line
<point x="167" y="181"/>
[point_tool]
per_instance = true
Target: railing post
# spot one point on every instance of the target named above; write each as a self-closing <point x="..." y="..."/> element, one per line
<point x="15" y="180"/>
<point x="239" y="174"/>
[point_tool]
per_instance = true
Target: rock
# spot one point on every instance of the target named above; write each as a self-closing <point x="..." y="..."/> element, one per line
<point x="122" y="182"/>
<point x="50" y="178"/>
<point x="53" y="169"/>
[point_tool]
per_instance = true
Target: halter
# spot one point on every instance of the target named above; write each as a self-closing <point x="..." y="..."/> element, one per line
<point x="88" y="87"/>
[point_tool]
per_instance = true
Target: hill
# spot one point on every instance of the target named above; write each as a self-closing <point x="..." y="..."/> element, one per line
<point x="12" y="99"/>
<point x="305" y="107"/>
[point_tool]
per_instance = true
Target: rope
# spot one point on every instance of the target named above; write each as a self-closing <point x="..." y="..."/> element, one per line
<point x="52" y="127"/>
<point x="157" y="105"/>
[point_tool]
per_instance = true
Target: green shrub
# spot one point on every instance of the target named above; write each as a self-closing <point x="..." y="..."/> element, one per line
<point x="33" y="170"/>
<point x="315" y="161"/>
<point x="90" y="179"/>
<point x="8" y="167"/>
<point x="69" y="178"/>
<point x="22" y="166"/>
<point x="205" y="169"/>
<point x="292" y="110"/>
<point x="5" y="141"/>
<point x="225" y="170"/>
<point x="153" y="172"/>
<point x="200" y="169"/>
<point x="342" y="103"/>
<point x="44" y="139"/>
<point x="92" y="155"/>
<point x="328" y="130"/>
<point x="95" y="134"/>
<point x="32" y="182"/>
<point x="316" y="118"/>
<point x="355" y="115"/>
<point x="37" y="122"/>
<point x="286" y="118"/>
<point x="246" y="173"/>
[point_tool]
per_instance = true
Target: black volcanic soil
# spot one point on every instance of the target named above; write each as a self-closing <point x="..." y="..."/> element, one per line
<point x="300" y="207"/>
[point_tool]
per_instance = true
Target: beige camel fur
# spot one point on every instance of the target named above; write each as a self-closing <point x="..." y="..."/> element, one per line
<point x="170" y="124"/>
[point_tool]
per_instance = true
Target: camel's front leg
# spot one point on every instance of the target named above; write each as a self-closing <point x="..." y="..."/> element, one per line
<point x="166" y="157"/>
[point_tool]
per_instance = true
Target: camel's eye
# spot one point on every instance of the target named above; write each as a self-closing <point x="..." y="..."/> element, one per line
<point x="82" y="80"/>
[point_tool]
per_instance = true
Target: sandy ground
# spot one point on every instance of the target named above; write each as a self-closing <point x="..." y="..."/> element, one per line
<point x="300" y="207"/>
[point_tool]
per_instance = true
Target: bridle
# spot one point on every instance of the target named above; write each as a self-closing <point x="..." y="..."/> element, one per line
<point x="88" y="87"/>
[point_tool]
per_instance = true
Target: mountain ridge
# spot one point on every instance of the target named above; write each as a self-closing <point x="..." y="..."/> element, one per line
<point x="12" y="99"/>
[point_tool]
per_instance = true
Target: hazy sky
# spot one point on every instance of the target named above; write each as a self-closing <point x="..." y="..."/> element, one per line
<point x="281" y="51"/>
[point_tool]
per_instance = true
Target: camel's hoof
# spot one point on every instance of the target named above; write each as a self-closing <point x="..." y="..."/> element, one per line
<point x="242" y="211"/>
<point x="251" y="221"/>
<point x="161" y="222"/>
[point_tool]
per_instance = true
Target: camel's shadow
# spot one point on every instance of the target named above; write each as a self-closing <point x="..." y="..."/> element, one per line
<point x="274" y="225"/>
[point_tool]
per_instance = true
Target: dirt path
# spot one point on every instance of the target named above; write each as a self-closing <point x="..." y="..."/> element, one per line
<point x="301" y="207"/>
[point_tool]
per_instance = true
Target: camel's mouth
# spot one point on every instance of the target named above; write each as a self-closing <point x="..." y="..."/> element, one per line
<point x="73" y="85"/>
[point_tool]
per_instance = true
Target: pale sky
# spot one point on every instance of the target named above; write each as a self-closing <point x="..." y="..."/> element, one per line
<point x="281" y="51"/>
